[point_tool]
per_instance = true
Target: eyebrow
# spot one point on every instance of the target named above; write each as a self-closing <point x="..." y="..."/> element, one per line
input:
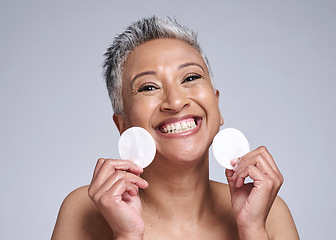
<point x="142" y="74"/>
<point x="184" y="65"/>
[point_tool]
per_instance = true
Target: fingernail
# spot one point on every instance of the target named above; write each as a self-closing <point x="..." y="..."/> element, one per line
<point x="234" y="161"/>
<point x="140" y="168"/>
<point x="146" y="182"/>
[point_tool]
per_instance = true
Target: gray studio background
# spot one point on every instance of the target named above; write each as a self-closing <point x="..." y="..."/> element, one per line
<point x="273" y="62"/>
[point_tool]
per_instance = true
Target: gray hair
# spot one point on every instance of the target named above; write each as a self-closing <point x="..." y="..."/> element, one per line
<point x="137" y="33"/>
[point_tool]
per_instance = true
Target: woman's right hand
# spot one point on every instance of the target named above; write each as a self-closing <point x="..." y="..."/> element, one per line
<point x="114" y="190"/>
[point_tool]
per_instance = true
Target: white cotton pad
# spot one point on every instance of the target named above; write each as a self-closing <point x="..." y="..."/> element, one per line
<point x="137" y="145"/>
<point x="229" y="144"/>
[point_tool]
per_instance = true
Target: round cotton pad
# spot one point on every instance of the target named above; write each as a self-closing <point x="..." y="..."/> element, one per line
<point x="137" y="145"/>
<point x="229" y="144"/>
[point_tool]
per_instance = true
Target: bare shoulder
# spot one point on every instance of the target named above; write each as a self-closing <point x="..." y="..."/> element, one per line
<point x="78" y="218"/>
<point x="280" y="224"/>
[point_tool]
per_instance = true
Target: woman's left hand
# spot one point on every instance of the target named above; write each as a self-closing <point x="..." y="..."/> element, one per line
<point x="251" y="202"/>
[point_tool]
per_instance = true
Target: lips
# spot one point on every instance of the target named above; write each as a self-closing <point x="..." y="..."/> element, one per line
<point x="186" y="124"/>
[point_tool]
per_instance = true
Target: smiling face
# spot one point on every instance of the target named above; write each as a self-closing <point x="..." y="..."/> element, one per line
<point x="168" y="91"/>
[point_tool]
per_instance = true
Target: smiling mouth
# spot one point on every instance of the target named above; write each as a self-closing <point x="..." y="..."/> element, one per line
<point x="182" y="126"/>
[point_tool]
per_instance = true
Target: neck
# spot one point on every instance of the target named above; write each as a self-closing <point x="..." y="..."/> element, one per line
<point x="177" y="191"/>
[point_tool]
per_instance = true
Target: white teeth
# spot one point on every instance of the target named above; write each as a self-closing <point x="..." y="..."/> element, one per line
<point x="184" y="125"/>
<point x="179" y="127"/>
<point x="188" y="124"/>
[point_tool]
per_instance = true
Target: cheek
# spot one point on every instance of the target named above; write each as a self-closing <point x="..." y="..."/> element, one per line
<point x="206" y="97"/>
<point x="140" y="109"/>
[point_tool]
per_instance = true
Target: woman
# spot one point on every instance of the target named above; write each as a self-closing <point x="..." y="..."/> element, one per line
<point x="158" y="78"/>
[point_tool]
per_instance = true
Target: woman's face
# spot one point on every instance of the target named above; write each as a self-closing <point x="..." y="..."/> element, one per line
<point x="167" y="90"/>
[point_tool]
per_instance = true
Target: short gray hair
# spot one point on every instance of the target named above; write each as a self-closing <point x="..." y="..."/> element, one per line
<point x="139" y="32"/>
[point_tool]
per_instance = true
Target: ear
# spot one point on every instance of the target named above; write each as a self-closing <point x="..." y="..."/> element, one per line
<point x="119" y="122"/>
<point x="221" y="118"/>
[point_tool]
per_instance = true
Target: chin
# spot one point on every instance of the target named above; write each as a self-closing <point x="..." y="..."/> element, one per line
<point x="185" y="155"/>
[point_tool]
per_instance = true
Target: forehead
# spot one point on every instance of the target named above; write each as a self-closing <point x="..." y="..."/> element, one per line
<point x="160" y="53"/>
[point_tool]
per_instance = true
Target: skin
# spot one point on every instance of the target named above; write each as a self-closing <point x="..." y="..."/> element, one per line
<point x="166" y="81"/>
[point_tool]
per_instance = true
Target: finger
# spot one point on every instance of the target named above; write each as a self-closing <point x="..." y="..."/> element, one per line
<point x="268" y="170"/>
<point x="124" y="165"/>
<point x="121" y="175"/>
<point x="98" y="166"/>
<point x="128" y="189"/>
<point x="250" y="171"/>
<point x="231" y="182"/>
<point x="265" y="182"/>
<point x="131" y="191"/>
<point x="235" y="161"/>
<point x="260" y="157"/>
<point x="120" y="188"/>
<point x="266" y="154"/>
<point x="114" y="194"/>
<point x="120" y="164"/>
<point x="92" y="189"/>
<point x="111" y="165"/>
<point x="260" y="162"/>
<point x="106" y="168"/>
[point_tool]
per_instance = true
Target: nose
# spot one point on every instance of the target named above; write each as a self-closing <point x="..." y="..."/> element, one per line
<point x="175" y="99"/>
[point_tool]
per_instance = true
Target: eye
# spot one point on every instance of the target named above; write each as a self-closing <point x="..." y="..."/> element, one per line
<point x="190" y="78"/>
<point x="147" y="88"/>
